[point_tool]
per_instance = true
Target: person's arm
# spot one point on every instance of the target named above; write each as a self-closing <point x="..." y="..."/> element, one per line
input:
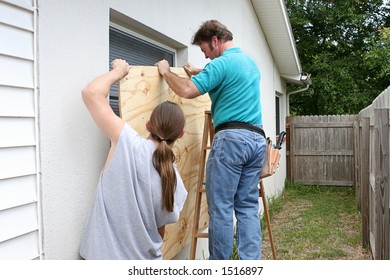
<point x="183" y="87"/>
<point x="191" y="70"/>
<point x="95" y="98"/>
<point x="161" y="231"/>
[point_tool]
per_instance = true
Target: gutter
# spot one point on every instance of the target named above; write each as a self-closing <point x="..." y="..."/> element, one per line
<point x="305" y="79"/>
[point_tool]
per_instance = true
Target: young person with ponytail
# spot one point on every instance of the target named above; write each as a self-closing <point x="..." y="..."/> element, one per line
<point x="139" y="189"/>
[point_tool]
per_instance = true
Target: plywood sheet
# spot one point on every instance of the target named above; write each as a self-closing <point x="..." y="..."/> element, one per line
<point x="139" y="92"/>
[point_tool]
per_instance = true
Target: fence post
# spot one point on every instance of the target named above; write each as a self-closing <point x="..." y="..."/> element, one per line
<point x="364" y="181"/>
<point x="356" y="156"/>
<point x="381" y="148"/>
<point x="288" y="152"/>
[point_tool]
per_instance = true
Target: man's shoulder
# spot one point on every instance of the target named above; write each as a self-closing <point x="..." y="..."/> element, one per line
<point x="232" y="50"/>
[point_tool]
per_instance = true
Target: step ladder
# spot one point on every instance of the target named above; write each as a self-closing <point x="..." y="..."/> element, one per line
<point x="207" y="140"/>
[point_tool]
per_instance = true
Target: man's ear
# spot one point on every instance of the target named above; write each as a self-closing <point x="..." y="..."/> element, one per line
<point x="181" y="134"/>
<point x="214" y="39"/>
<point x="147" y="125"/>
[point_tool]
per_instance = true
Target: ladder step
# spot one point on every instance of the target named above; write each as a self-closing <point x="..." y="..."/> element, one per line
<point x="202" y="235"/>
<point x="206" y="235"/>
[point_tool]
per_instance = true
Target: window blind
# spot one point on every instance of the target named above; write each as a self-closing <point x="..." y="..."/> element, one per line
<point x="135" y="51"/>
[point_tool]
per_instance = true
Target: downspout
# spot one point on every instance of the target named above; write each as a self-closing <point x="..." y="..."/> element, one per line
<point x="305" y="78"/>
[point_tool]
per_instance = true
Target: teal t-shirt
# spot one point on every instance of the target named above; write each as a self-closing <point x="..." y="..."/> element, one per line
<point x="233" y="83"/>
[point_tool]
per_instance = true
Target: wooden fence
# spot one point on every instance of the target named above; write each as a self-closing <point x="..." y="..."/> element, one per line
<point x="348" y="151"/>
<point x="372" y="175"/>
<point x="320" y="150"/>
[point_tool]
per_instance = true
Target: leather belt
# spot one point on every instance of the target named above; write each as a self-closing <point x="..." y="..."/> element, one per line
<point x="240" y="125"/>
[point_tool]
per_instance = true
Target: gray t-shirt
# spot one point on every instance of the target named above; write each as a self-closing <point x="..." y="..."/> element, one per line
<point x="128" y="209"/>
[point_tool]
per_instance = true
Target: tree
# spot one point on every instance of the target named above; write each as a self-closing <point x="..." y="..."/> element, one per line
<point x="344" y="45"/>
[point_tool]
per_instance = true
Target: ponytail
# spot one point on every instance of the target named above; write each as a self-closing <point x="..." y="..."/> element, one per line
<point x="163" y="158"/>
<point x="166" y="125"/>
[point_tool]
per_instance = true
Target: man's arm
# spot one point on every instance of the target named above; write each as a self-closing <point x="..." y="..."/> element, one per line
<point x="183" y="87"/>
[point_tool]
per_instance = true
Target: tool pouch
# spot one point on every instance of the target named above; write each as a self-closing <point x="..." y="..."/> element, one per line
<point x="271" y="160"/>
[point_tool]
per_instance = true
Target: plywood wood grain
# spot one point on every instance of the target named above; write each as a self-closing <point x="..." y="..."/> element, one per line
<point x="139" y="92"/>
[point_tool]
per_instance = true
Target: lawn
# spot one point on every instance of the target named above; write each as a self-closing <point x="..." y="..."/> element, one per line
<point x="315" y="223"/>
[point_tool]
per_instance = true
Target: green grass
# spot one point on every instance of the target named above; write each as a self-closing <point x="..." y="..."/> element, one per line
<point x="314" y="223"/>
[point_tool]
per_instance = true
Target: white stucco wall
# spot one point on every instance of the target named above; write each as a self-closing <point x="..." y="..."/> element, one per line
<point x="73" y="42"/>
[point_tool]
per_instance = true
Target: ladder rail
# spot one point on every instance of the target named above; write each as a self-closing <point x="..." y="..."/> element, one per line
<point x="199" y="190"/>
<point x="267" y="218"/>
<point x="208" y="134"/>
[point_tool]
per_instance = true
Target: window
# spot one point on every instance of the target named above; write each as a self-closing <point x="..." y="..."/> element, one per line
<point x="135" y="51"/>
<point x="277" y="114"/>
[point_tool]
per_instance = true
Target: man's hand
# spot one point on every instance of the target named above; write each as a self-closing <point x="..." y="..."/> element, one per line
<point x="183" y="87"/>
<point x="191" y="69"/>
<point x="163" y="67"/>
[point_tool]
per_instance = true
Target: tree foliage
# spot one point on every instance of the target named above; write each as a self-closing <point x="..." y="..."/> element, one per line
<point x="345" y="46"/>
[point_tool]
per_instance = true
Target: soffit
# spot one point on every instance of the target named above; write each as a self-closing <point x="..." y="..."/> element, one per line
<point x="275" y="23"/>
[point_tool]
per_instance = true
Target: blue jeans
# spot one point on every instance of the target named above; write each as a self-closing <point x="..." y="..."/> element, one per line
<point x="232" y="177"/>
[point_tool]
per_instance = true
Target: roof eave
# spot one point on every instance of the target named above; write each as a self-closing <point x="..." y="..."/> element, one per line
<point x="275" y="23"/>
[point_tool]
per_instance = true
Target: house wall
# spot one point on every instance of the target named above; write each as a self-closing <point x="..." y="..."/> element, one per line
<point x="274" y="185"/>
<point x="73" y="49"/>
<point x="19" y="150"/>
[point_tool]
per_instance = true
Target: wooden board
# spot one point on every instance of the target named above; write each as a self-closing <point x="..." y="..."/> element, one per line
<point x="139" y="92"/>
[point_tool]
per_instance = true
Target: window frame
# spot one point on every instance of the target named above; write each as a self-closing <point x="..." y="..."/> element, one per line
<point x="139" y="39"/>
<point x="277" y="115"/>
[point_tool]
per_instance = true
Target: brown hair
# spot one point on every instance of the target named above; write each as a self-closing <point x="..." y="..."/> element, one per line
<point x="209" y="29"/>
<point x="166" y="125"/>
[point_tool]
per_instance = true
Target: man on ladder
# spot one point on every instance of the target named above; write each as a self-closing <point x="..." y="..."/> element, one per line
<point x="232" y="80"/>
